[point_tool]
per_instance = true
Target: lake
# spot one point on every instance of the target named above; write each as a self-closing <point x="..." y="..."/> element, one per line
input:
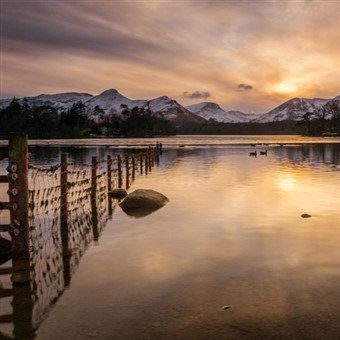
<point x="229" y="257"/>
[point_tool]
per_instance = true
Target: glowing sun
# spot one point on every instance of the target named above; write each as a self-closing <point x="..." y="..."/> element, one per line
<point x="285" y="87"/>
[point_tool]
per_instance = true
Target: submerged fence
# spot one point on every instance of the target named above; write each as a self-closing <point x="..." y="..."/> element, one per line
<point x="64" y="201"/>
<point x="55" y="212"/>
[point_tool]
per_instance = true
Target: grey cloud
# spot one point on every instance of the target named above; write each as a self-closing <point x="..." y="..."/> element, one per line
<point x="245" y="87"/>
<point x="196" y="95"/>
<point x="76" y="28"/>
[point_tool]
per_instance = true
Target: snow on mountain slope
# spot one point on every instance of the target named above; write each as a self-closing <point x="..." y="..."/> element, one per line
<point x="213" y="111"/>
<point x="173" y="111"/>
<point x="61" y="101"/>
<point x="111" y="102"/>
<point x="293" y="109"/>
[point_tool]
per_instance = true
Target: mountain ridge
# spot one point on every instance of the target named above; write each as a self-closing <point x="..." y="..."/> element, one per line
<point x="113" y="102"/>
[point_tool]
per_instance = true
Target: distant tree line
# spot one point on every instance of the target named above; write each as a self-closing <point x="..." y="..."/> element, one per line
<point x="46" y="121"/>
<point x="285" y="127"/>
<point x="325" y="121"/>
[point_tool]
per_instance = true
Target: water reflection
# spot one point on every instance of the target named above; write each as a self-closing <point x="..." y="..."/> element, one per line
<point x="140" y="212"/>
<point x="231" y="234"/>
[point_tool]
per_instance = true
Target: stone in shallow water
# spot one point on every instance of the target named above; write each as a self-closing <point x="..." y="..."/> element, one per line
<point x="144" y="198"/>
<point x="306" y="215"/>
<point x="143" y="202"/>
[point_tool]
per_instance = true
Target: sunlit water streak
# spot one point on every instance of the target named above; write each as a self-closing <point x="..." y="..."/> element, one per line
<point x="231" y="235"/>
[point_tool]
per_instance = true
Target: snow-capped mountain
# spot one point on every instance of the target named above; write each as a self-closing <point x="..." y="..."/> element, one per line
<point x="61" y="101"/>
<point x="212" y="111"/>
<point x="111" y="102"/>
<point x="173" y="111"/>
<point x="293" y="109"/>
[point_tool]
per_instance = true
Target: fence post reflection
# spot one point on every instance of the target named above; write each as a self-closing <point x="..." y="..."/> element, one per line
<point x="64" y="205"/>
<point x="127" y="172"/>
<point x="94" y="198"/>
<point x="23" y="311"/>
<point x="119" y="169"/>
<point x="109" y="183"/>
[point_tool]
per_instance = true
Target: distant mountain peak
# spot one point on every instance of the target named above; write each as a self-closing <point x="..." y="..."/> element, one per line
<point x="111" y="102"/>
<point x="293" y="109"/>
<point x="212" y="111"/>
<point x="109" y="92"/>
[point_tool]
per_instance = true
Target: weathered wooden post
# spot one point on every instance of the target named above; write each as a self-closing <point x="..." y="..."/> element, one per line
<point x="119" y="165"/>
<point x="64" y="205"/>
<point x="146" y="162"/>
<point x="18" y="204"/>
<point x="152" y="153"/>
<point x="23" y="312"/>
<point x="109" y="173"/>
<point x="160" y="149"/>
<point x="141" y="163"/>
<point x="157" y="154"/>
<point x="67" y="270"/>
<point x="127" y="172"/>
<point x="109" y="183"/>
<point x="133" y="167"/>
<point x="94" y="198"/>
<point x="149" y="158"/>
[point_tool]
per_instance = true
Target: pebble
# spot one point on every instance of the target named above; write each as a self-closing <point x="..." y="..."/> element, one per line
<point x="306" y="215"/>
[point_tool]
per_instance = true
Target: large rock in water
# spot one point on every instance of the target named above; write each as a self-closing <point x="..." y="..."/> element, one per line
<point x="142" y="202"/>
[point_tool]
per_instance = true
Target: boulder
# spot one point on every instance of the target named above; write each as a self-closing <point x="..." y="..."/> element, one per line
<point x="144" y="198"/>
<point x="117" y="193"/>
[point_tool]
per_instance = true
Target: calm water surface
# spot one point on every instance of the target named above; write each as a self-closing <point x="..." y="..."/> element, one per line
<point x="229" y="257"/>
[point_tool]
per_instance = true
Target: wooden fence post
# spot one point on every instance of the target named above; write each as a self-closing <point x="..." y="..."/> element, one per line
<point x="109" y="173"/>
<point x="150" y="158"/>
<point x="152" y="152"/>
<point x="133" y="167"/>
<point x="127" y="173"/>
<point x="94" y="198"/>
<point x="141" y="163"/>
<point x="109" y="183"/>
<point x="23" y="311"/>
<point x="146" y="162"/>
<point x="119" y="165"/>
<point x="157" y="154"/>
<point x="18" y="203"/>
<point x="64" y="205"/>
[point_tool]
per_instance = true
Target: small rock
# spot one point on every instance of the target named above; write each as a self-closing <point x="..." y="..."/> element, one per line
<point x="227" y="307"/>
<point x="117" y="193"/>
<point x="306" y="215"/>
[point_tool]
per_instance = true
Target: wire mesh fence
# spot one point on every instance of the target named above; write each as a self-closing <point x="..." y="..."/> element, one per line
<point x="67" y="208"/>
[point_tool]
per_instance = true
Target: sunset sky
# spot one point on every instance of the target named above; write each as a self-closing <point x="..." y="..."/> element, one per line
<point x="244" y="55"/>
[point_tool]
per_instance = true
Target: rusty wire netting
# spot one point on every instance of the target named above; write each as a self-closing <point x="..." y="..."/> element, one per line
<point x="57" y="242"/>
